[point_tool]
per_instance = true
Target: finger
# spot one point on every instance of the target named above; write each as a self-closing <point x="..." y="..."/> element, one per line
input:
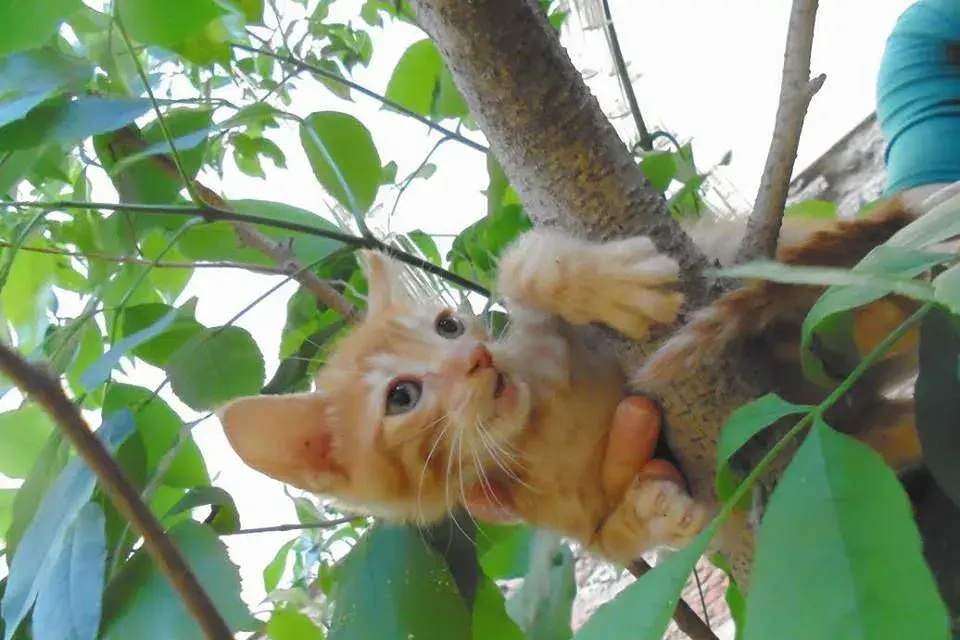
<point x="661" y="470"/>
<point x="633" y="437"/>
<point x="491" y="502"/>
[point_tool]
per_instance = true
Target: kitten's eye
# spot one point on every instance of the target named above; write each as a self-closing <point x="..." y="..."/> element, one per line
<point x="403" y="396"/>
<point x="449" y="326"/>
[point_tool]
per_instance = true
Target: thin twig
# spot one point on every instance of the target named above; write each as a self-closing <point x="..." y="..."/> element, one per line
<point x="686" y="618"/>
<point x="453" y="135"/>
<point x="36" y="383"/>
<point x="216" y="213"/>
<point x="646" y="142"/>
<point x="327" y="524"/>
<point x="162" y="264"/>
<point x="796" y="91"/>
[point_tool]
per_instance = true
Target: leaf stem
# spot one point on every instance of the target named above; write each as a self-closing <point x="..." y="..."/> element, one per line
<point x="327" y="524"/>
<point x="453" y="135"/>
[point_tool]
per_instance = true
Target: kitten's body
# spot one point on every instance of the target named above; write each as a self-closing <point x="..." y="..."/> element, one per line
<point x="533" y="408"/>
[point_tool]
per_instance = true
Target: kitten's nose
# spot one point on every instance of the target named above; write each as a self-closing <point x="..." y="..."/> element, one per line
<point x="479" y="359"/>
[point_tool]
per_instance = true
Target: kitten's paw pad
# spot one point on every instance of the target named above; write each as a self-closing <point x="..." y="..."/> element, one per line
<point x="672" y="516"/>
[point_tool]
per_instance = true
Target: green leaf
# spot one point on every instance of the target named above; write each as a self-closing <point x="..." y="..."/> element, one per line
<point x="143" y="599"/>
<point x="29" y="78"/>
<point x="157" y="350"/>
<point x="838" y="540"/>
<point x="45" y="536"/>
<point x="544" y="603"/>
<point x="222" y="364"/>
<point x="411" y="591"/>
<point x="287" y="624"/>
<point x="424" y="242"/>
<point x="946" y="288"/>
<point x="71" y="121"/>
<point x="343" y="157"/>
<point x="26" y="292"/>
<point x="29" y="496"/>
<point x="23" y="432"/>
<point x="937" y="399"/>
<point x="252" y="10"/>
<point x="167" y="22"/>
<point x="6" y="510"/>
<point x="159" y="427"/>
<point x="938" y="224"/>
<point x="97" y="373"/>
<point x="227" y="518"/>
<point x="274" y="570"/>
<point x="644" y="609"/>
<point x="742" y="425"/>
<point x="308" y="248"/>
<point x="490" y="618"/>
<point x="69" y="599"/>
<point x="27" y="25"/>
<point x="829" y="276"/>
<point x="504" y="550"/>
<point x="902" y="262"/>
<point x="421" y="83"/>
<point x="812" y="209"/>
<point x="660" y="167"/>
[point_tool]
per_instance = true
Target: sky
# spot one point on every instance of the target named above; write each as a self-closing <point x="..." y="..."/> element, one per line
<point x="708" y="70"/>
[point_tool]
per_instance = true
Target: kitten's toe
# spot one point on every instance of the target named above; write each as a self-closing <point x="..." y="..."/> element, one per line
<point x="673" y="517"/>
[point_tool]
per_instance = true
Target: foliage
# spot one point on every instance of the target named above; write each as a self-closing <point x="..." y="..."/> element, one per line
<point x="140" y="98"/>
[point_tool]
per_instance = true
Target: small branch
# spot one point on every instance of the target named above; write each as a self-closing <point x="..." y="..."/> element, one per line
<point x="133" y="260"/>
<point x="796" y="90"/>
<point x="686" y="618"/>
<point x="453" y="135"/>
<point x="646" y="142"/>
<point x="221" y="214"/>
<point x="47" y="392"/>
<point x="328" y="524"/>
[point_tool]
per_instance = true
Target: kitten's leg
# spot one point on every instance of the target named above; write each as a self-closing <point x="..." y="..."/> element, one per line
<point x="622" y="283"/>
<point x="654" y="513"/>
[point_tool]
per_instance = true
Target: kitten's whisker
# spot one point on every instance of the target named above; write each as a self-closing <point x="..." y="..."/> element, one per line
<point x="426" y="463"/>
<point x="492" y="449"/>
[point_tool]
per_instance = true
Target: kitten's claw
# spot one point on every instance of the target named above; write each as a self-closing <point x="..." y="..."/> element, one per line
<point x="623" y="283"/>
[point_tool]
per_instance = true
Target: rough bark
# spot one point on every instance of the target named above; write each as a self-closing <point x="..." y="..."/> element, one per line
<point x="572" y="171"/>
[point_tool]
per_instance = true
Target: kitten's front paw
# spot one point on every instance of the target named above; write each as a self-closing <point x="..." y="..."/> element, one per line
<point x="673" y="518"/>
<point x="633" y="287"/>
<point x="623" y="283"/>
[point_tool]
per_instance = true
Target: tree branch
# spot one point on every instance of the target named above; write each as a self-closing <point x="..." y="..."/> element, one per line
<point x="162" y="264"/>
<point x="453" y="135"/>
<point x="572" y="171"/>
<point x="328" y="524"/>
<point x="796" y="90"/>
<point x="46" y="391"/>
<point x="224" y="214"/>
<point x="646" y="142"/>
<point x="686" y="618"/>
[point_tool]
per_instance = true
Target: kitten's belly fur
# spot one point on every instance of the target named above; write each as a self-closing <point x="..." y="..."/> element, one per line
<point x="565" y="443"/>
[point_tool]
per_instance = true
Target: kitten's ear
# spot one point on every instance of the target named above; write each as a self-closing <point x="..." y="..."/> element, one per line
<point x="286" y="437"/>
<point x="385" y="287"/>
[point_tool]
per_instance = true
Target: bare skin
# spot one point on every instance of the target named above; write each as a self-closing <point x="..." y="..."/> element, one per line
<point x="633" y="438"/>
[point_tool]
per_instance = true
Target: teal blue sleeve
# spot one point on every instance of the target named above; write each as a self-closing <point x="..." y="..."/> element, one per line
<point x="918" y="96"/>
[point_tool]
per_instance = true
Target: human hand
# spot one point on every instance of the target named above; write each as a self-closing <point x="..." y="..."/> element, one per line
<point x="633" y="438"/>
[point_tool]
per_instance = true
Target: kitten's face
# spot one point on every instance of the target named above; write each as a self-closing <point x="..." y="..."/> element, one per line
<point x="413" y="406"/>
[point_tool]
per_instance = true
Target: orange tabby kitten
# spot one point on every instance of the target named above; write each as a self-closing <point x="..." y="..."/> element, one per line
<point x="418" y="402"/>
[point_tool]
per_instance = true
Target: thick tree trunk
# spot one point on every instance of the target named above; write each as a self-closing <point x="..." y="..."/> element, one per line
<point x="571" y="170"/>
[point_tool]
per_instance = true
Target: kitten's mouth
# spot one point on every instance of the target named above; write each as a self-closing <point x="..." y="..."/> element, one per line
<point x="499" y="386"/>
